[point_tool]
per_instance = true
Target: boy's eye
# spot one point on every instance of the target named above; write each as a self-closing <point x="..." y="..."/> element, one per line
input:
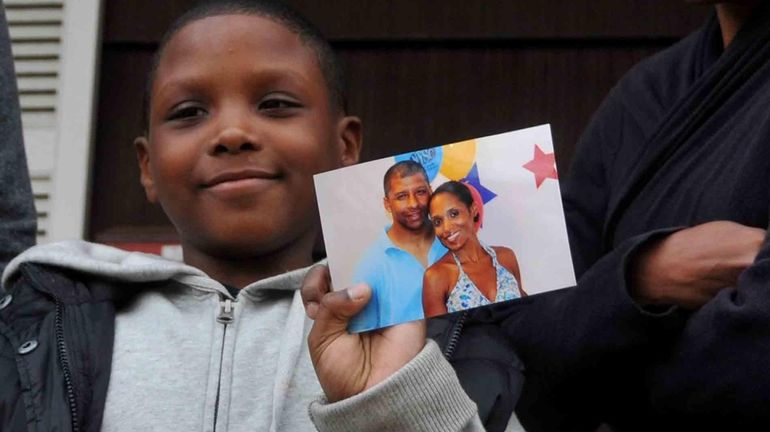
<point x="401" y="196"/>
<point x="278" y="105"/>
<point x="186" y="112"/>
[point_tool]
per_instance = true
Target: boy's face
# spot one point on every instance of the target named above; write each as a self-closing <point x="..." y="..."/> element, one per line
<point x="240" y="120"/>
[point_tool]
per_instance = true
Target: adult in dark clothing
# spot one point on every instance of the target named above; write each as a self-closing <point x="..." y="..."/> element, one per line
<point x="17" y="214"/>
<point x="602" y="352"/>
<point x="668" y="196"/>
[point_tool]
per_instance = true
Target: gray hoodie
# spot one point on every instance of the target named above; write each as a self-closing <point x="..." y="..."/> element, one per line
<point x="188" y="356"/>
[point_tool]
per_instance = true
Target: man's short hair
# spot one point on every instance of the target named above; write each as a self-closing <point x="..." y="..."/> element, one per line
<point x="404" y="168"/>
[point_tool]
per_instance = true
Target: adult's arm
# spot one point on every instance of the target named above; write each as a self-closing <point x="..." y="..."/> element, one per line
<point x="689" y="267"/>
<point x="716" y="374"/>
<point x="606" y="334"/>
<point x="602" y="335"/>
<point x="584" y="347"/>
<point x="18" y="225"/>
<point x="434" y="288"/>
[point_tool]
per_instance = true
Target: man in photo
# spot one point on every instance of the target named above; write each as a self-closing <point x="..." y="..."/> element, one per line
<point x="394" y="265"/>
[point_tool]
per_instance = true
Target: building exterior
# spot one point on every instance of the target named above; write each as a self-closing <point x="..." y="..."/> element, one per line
<point x="420" y="75"/>
<point x="55" y="48"/>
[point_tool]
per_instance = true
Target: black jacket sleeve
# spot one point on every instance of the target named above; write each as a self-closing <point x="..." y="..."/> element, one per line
<point x="585" y="194"/>
<point x="716" y="373"/>
<point x="586" y="348"/>
<point x="17" y="211"/>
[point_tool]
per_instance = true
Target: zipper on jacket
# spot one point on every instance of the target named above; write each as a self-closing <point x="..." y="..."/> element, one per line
<point x="225" y="317"/>
<point x="64" y="362"/>
<point x="454" y="338"/>
<point x="225" y="311"/>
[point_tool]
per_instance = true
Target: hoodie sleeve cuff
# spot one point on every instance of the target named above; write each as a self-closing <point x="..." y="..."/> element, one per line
<point x="424" y="395"/>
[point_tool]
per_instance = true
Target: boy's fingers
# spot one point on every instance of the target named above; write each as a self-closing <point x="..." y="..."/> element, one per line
<point x="315" y="285"/>
<point x="337" y="308"/>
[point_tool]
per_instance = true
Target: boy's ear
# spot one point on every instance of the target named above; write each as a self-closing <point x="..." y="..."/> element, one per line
<point x="349" y="138"/>
<point x="143" y="156"/>
<point x="386" y="204"/>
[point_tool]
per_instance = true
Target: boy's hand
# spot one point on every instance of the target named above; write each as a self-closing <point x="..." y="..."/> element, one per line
<point x="347" y="364"/>
<point x="689" y="267"/>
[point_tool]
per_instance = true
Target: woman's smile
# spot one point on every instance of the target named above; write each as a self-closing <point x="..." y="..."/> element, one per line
<point x="452" y="237"/>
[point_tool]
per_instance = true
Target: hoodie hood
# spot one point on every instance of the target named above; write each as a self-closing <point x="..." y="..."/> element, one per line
<point x="119" y="265"/>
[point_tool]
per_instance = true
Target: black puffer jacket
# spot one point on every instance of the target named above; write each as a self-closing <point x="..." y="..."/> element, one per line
<point x="56" y="339"/>
<point x="486" y="364"/>
<point x="17" y="209"/>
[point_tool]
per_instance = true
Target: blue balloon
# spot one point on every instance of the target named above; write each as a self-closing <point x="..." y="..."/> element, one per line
<point x="430" y="159"/>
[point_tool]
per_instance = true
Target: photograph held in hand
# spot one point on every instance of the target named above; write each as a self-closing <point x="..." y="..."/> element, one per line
<point x="447" y="228"/>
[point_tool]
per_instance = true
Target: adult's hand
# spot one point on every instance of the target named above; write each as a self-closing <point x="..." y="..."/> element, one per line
<point x="347" y="364"/>
<point x="689" y="267"/>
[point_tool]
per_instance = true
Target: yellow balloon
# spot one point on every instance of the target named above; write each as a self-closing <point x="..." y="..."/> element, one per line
<point x="458" y="159"/>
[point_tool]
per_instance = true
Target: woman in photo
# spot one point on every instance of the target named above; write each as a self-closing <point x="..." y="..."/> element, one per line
<point x="471" y="274"/>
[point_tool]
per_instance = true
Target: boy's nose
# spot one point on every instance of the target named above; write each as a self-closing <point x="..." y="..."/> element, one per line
<point x="234" y="140"/>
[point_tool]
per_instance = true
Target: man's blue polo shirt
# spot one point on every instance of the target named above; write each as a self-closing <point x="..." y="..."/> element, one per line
<point x="395" y="276"/>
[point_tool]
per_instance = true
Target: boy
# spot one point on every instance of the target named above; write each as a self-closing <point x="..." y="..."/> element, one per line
<point x="244" y="106"/>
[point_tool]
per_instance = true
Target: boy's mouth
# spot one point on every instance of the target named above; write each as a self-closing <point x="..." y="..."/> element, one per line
<point x="240" y="178"/>
<point x="236" y="184"/>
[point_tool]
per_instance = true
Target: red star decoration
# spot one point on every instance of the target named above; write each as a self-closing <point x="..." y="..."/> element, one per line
<point x="543" y="166"/>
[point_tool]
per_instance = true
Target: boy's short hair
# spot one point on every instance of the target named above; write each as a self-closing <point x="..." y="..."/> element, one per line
<point x="404" y="168"/>
<point x="273" y="10"/>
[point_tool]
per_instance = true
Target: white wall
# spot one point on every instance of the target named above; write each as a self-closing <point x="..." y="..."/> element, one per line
<point x="55" y="46"/>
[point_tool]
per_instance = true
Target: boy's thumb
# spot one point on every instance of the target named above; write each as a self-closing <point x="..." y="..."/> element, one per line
<point x="338" y="307"/>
